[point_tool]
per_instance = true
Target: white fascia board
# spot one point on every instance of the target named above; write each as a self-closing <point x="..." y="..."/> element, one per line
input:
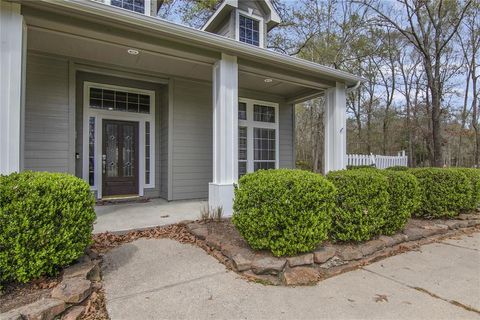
<point x="274" y="16"/>
<point x="197" y="37"/>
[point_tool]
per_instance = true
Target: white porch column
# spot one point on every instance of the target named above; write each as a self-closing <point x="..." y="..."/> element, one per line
<point x="335" y="128"/>
<point x="225" y="134"/>
<point x="11" y="69"/>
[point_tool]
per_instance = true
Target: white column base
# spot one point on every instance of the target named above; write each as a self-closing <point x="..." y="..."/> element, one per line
<point x="221" y="195"/>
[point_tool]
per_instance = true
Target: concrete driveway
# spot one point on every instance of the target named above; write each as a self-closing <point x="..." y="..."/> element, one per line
<point x="163" y="279"/>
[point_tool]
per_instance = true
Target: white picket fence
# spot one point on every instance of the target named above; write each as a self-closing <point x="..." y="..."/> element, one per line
<point x="379" y="161"/>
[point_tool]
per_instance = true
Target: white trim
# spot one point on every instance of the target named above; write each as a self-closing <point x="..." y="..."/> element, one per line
<point x="100" y="115"/>
<point x="250" y="124"/>
<point x="261" y="24"/>
<point x="335" y="122"/>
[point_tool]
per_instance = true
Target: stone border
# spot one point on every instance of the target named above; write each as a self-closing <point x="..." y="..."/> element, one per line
<point x="328" y="259"/>
<point x="67" y="298"/>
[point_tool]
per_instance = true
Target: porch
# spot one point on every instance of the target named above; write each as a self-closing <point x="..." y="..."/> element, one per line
<point x="203" y="110"/>
<point x="122" y="217"/>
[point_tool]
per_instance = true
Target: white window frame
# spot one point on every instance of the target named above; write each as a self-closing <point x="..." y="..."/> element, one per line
<point x="253" y="17"/>
<point x="250" y="124"/>
<point x="100" y="115"/>
<point x="147" y="7"/>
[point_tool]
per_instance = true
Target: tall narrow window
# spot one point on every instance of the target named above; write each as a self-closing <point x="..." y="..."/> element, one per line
<point x="147" y="152"/>
<point x="257" y="136"/>
<point x="91" y="151"/>
<point x="249" y="30"/>
<point x="242" y="151"/>
<point x="264" y="148"/>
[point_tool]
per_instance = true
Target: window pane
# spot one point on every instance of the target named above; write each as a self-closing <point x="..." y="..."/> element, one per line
<point x="264" y="148"/>
<point x="242" y="143"/>
<point x="119" y="100"/>
<point x="91" y="151"/>
<point x="147" y="152"/>
<point x="249" y="31"/>
<point x="242" y="168"/>
<point x="242" y="111"/>
<point x="263" y="113"/>
<point x="264" y="165"/>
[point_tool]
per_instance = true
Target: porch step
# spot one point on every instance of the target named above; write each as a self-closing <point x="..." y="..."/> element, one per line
<point x="121" y="199"/>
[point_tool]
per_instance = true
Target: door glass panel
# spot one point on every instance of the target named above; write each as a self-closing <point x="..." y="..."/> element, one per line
<point x="111" y="150"/>
<point x="128" y="151"/>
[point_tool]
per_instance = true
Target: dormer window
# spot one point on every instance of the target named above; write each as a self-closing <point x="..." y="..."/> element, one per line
<point x="138" y="6"/>
<point x="249" y="30"/>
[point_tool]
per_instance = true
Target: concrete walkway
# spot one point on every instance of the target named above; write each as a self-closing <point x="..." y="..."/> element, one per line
<point x="163" y="279"/>
<point x="156" y="212"/>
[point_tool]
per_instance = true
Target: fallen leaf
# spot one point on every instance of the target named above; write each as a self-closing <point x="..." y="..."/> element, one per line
<point x="381" y="298"/>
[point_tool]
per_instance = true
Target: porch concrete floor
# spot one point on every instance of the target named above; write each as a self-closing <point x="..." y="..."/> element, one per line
<point x="156" y="212"/>
<point x="163" y="279"/>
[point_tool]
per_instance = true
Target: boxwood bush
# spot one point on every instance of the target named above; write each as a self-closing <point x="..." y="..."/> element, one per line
<point x="46" y="221"/>
<point x="398" y="168"/>
<point x="473" y="176"/>
<point x="284" y="211"/>
<point x="362" y="204"/>
<point x="444" y="192"/>
<point x="404" y="199"/>
<point x="361" y="167"/>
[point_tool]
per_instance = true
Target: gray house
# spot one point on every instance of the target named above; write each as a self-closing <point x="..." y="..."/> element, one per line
<point x="142" y="107"/>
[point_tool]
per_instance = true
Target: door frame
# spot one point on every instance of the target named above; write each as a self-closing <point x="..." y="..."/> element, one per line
<point x="137" y="147"/>
<point x="99" y="115"/>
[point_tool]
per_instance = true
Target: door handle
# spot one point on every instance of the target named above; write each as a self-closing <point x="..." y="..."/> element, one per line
<point x="104" y="163"/>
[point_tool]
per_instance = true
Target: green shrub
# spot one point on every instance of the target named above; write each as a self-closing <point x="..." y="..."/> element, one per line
<point x="404" y="197"/>
<point x="444" y="192"/>
<point x="284" y="211"/>
<point x="362" y="204"/>
<point x="397" y="168"/>
<point x="46" y="221"/>
<point x="474" y="176"/>
<point x="361" y="167"/>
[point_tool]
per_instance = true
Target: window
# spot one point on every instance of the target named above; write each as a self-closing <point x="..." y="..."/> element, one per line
<point x="249" y="30"/>
<point x="147" y="152"/>
<point x="91" y="151"/>
<point x="242" y="111"/>
<point x="263" y="113"/>
<point x="115" y="100"/>
<point x="132" y="5"/>
<point x="242" y="151"/>
<point x="264" y="148"/>
<point x="257" y="136"/>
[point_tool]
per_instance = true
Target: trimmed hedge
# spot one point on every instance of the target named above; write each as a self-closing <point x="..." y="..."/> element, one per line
<point x="46" y="221"/>
<point x="404" y="199"/>
<point x="398" y="168"/>
<point x="361" y="167"/>
<point x="444" y="192"/>
<point x="474" y="176"/>
<point x="284" y="211"/>
<point x="362" y="204"/>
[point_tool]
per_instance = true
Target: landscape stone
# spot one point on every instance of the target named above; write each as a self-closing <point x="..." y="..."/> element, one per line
<point x="81" y="269"/>
<point x="44" y="309"/>
<point x="242" y="262"/>
<point x="323" y="254"/>
<point x="472" y="223"/>
<point x="268" y="265"/>
<point x="200" y="232"/>
<point x="72" y="290"/>
<point x="452" y="224"/>
<point x="11" y="315"/>
<point x="399" y="238"/>
<point x="468" y="216"/>
<point x="349" y="253"/>
<point x="333" y="262"/>
<point x="371" y="247"/>
<point x="414" y="233"/>
<point x="304" y="259"/>
<point x="388" y="241"/>
<point x="300" y="276"/>
<point x="74" y="313"/>
<point x="213" y="241"/>
<point x="262" y="278"/>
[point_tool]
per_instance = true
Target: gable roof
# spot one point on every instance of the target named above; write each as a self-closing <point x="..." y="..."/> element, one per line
<point x="272" y="17"/>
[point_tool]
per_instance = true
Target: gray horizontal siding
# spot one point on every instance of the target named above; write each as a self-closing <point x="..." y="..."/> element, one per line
<point x="192" y="140"/>
<point x="286" y="136"/>
<point x="46" y="114"/>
